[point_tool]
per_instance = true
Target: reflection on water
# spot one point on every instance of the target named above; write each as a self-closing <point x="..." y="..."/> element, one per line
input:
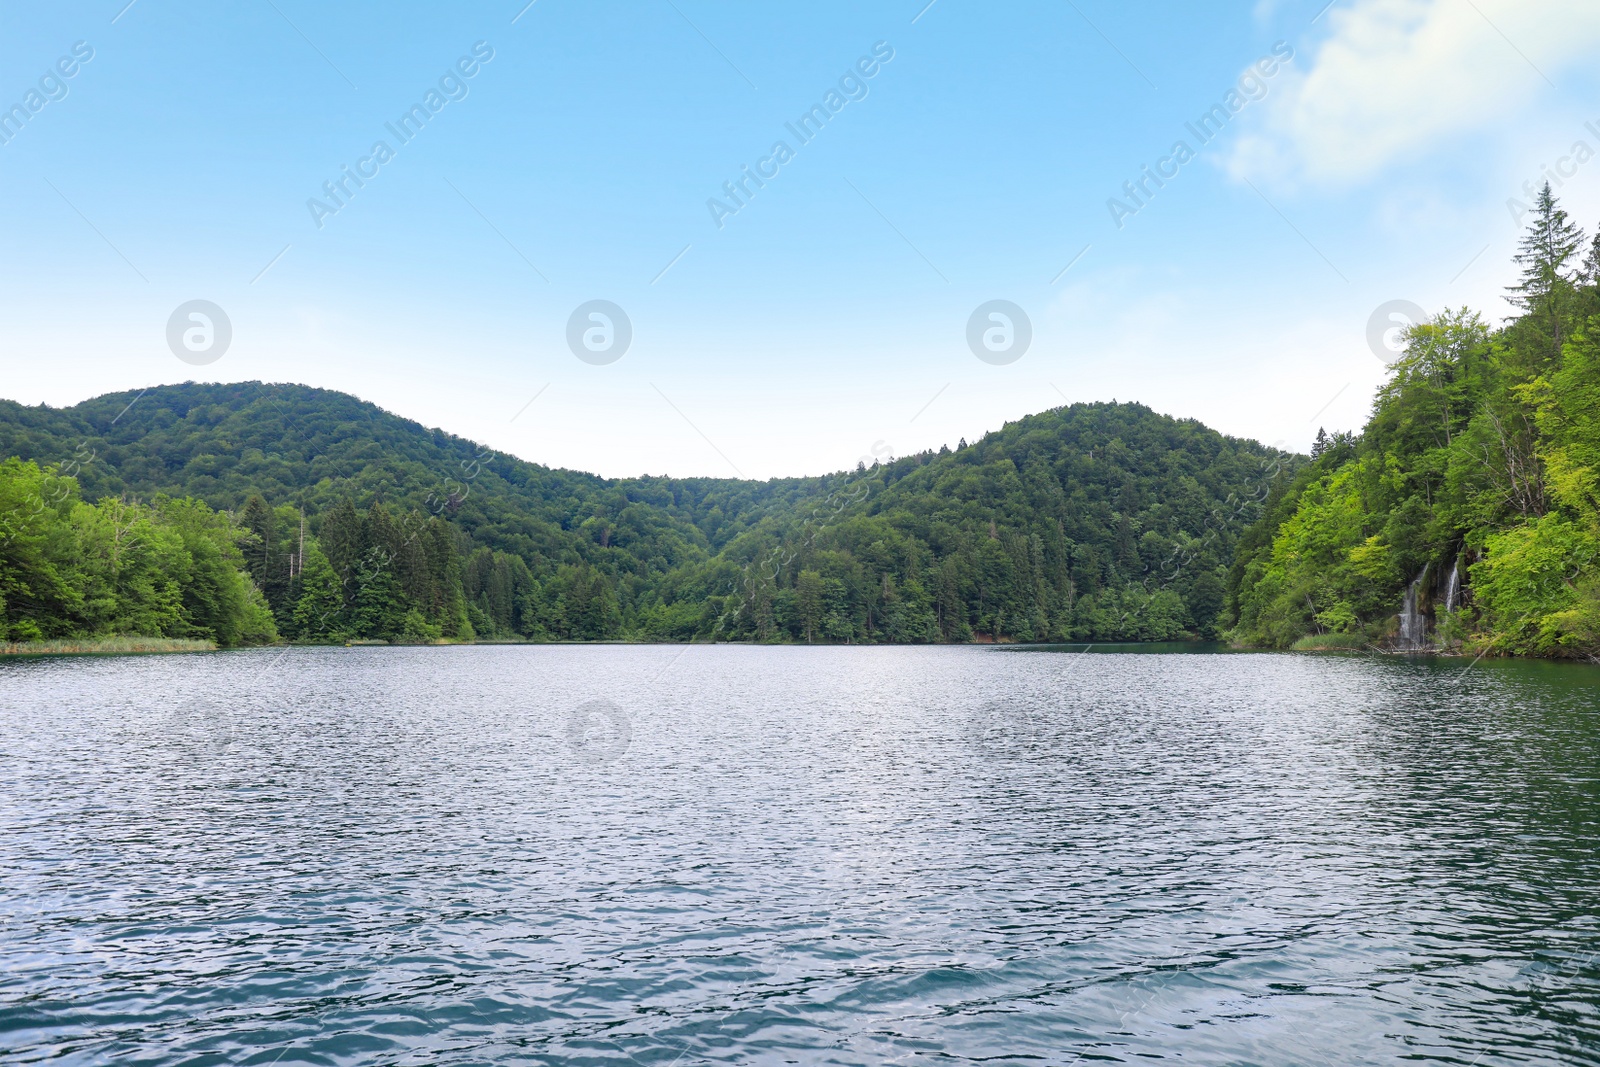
<point x="775" y="855"/>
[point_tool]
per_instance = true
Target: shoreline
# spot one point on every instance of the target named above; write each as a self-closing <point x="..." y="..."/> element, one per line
<point x="105" y="646"/>
<point x="145" y="646"/>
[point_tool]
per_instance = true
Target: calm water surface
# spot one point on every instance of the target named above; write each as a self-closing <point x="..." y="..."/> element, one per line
<point x="652" y="855"/>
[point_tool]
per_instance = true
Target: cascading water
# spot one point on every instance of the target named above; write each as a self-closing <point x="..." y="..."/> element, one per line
<point x="1452" y="587"/>
<point x="1413" y="624"/>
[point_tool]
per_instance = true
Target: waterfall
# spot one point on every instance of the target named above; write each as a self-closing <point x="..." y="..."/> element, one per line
<point x="1452" y="587"/>
<point x="1413" y="624"/>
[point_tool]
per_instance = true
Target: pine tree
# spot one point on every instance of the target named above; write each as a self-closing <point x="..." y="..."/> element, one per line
<point x="1128" y="548"/>
<point x="1546" y="289"/>
<point x="444" y="570"/>
<point x="319" y="613"/>
<point x="380" y="607"/>
<point x="950" y="609"/>
<point x="270" y="554"/>
<point x="259" y="545"/>
<point x="1320" y="445"/>
<point x="1588" y="280"/>
<point x="381" y="536"/>
<point x="1589" y="270"/>
<point x="808" y="593"/>
<point x="605" y="617"/>
<point x="341" y="538"/>
<point x="411" y="566"/>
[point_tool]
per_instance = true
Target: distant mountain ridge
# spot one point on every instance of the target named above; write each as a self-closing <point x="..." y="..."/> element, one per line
<point x="308" y="446"/>
<point x="1134" y="512"/>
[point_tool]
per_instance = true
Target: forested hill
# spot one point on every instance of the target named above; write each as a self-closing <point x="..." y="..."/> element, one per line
<point x="1466" y="515"/>
<point x="292" y="444"/>
<point x="1097" y="521"/>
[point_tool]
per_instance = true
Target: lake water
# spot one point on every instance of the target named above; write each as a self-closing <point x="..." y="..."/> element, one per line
<point x="732" y="855"/>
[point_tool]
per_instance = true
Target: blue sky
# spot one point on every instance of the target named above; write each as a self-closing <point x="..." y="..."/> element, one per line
<point x="827" y="319"/>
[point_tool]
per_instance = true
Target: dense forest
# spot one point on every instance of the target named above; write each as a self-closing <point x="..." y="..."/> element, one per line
<point x="1094" y="522"/>
<point x="342" y="522"/>
<point x="170" y="568"/>
<point x="1467" y="513"/>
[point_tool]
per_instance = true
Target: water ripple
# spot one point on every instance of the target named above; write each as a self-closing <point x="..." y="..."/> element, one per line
<point x="624" y="855"/>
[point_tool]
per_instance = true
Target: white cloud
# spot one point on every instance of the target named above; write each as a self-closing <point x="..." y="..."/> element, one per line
<point x="1396" y="77"/>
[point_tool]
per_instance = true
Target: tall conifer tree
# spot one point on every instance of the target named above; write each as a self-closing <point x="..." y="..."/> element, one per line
<point x="1546" y="290"/>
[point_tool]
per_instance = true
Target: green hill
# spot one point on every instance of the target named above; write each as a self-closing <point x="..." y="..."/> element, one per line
<point x="1096" y="522"/>
<point x="1466" y="515"/>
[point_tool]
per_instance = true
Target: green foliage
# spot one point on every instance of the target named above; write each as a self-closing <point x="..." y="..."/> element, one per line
<point x="1482" y="458"/>
<point x="171" y="568"/>
<point x="319" y="612"/>
<point x="1095" y="522"/>
<point x="1538" y="588"/>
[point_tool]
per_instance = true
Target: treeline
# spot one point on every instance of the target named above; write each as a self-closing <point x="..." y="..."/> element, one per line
<point x="377" y="575"/>
<point x="1467" y="512"/>
<point x="292" y="444"/>
<point x="1093" y="522"/>
<point x="1097" y="522"/>
<point x="1106" y="522"/>
<point x="170" y="568"/>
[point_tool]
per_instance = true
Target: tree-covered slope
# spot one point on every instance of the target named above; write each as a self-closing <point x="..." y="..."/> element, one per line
<point x="1467" y="512"/>
<point x="1095" y="521"/>
<point x="310" y="447"/>
<point x="170" y="569"/>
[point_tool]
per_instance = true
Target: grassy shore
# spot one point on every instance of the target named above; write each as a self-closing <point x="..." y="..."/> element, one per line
<point x="1332" y="643"/>
<point x="74" y="646"/>
<point x="1361" y="643"/>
